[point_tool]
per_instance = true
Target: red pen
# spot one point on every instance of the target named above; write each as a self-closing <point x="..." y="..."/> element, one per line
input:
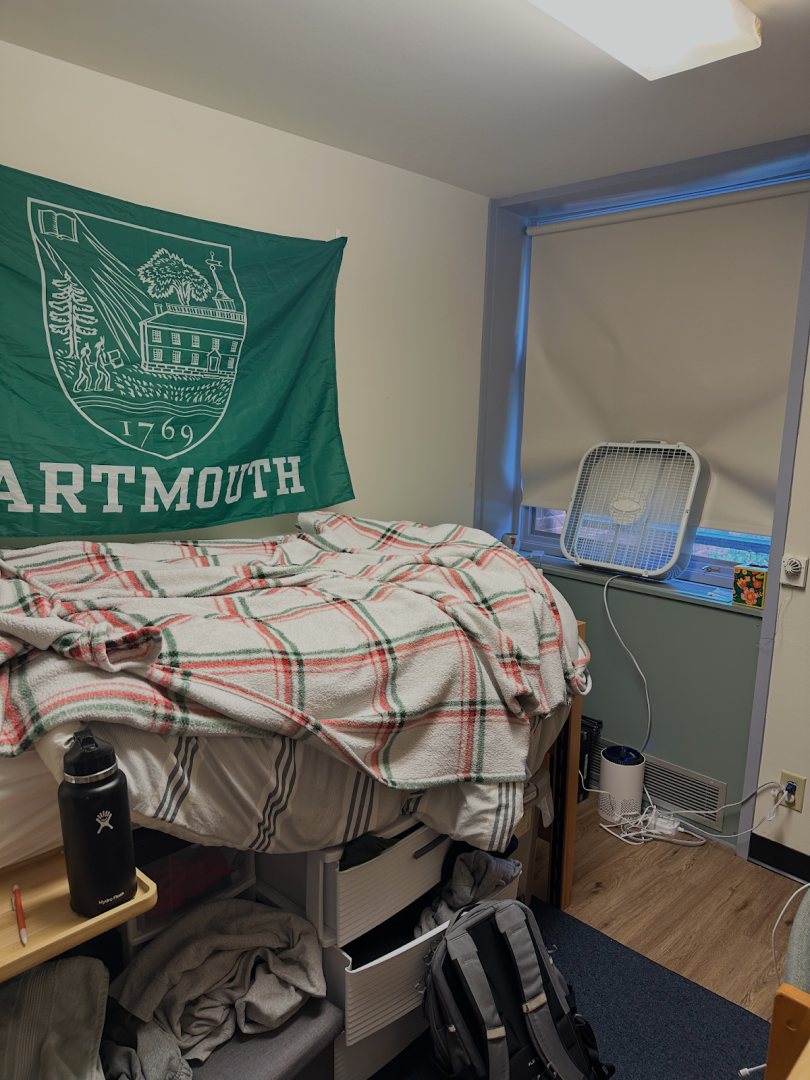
<point x="16" y="904"/>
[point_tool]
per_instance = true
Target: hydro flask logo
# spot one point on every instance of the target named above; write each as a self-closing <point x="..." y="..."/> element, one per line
<point x="110" y="899"/>
<point x="103" y="819"/>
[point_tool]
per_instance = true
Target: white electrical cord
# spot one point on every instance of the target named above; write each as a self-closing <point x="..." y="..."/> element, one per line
<point x="739" y="802"/>
<point x="681" y="809"/>
<point x="751" y="1071"/>
<point x="716" y="809"/>
<point x="637" y="829"/>
<point x="634" y="828"/>
<point x="635" y="662"/>
<point x="772" y="783"/>
<point x="641" y="828"/>
<point x="776" y="927"/>
<point x="599" y="791"/>
<point x="730" y="836"/>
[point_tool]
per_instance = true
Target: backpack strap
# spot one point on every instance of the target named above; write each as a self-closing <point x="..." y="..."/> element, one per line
<point x="511" y="921"/>
<point x="457" y="1047"/>
<point x="461" y="949"/>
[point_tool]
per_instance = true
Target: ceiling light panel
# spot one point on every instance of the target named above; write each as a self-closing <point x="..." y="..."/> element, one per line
<point x="660" y="37"/>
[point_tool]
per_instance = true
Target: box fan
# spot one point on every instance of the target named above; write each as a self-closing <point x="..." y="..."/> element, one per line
<point x="636" y="507"/>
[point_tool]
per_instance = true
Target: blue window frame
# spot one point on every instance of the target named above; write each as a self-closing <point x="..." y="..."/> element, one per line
<point x="714" y="555"/>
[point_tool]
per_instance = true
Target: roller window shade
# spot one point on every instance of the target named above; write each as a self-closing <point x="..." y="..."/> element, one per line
<point x="677" y="328"/>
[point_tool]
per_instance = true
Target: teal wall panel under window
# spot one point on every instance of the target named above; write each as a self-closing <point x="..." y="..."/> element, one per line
<point x="700" y="662"/>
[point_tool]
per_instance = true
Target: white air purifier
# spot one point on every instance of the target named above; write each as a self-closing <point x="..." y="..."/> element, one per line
<point x="621" y="783"/>
<point x="636" y="508"/>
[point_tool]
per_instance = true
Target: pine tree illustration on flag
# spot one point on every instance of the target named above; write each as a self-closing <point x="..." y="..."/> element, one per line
<point x="71" y="315"/>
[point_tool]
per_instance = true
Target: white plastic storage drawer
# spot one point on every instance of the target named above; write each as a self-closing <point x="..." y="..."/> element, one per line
<point x="361" y="1060"/>
<point x="343" y="904"/>
<point x="382" y="991"/>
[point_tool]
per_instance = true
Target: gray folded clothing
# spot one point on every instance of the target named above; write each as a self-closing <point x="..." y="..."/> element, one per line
<point x="476" y="876"/>
<point x="51" y="1019"/>
<point x="227" y="964"/>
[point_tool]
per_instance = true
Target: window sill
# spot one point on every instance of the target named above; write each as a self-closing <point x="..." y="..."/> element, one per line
<point x="689" y="592"/>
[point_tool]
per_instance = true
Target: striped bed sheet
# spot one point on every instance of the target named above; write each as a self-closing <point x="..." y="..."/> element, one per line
<point x="277" y="795"/>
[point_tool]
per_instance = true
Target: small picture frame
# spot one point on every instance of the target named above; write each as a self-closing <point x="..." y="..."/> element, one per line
<point x="749" y="587"/>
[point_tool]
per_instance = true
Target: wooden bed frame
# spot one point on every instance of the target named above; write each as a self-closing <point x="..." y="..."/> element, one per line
<point x="563" y="763"/>
<point x="789" y="1043"/>
<point x="564" y="767"/>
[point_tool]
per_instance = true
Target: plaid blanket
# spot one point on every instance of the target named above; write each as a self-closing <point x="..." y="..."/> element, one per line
<point x="416" y="654"/>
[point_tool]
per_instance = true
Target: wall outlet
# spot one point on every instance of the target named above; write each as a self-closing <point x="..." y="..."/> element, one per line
<point x="799" y="781"/>
<point x="793" y="571"/>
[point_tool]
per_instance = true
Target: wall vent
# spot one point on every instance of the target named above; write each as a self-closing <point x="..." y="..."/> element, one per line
<point x="671" y="787"/>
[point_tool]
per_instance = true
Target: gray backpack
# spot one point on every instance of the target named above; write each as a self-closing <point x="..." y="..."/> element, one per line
<point x="499" y="1008"/>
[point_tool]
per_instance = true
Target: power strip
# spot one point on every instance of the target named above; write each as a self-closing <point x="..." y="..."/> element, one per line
<point x="662" y="824"/>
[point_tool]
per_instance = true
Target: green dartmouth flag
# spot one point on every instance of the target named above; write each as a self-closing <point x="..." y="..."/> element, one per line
<point x="159" y="372"/>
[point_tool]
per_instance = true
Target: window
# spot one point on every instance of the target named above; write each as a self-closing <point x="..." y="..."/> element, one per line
<point x="157" y="354"/>
<point x="176" y="356"/>
<point x="548" y="523"/>
<point x="714" y="554"/>
<point x="215" y="343"/>
<point x="175" y="339"/>
<point x="195" y="341"/>
<point x="156" y="336"/>
<point x="230" y="364"/>
<point x="195" y="358"/>
<point x="234" y="346"/>
<point x="698" y="343"/>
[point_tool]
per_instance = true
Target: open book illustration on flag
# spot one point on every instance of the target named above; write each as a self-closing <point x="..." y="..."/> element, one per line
<point x="145" y="329"/>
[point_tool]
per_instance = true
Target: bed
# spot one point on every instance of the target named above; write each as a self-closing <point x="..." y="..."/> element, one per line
<point x="389" y="667"/>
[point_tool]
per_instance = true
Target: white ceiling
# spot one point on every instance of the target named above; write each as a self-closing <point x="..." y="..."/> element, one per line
<point x="490" y="95"/>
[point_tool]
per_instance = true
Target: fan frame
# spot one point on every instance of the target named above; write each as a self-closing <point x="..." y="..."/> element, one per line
<point x="690" y="519"/>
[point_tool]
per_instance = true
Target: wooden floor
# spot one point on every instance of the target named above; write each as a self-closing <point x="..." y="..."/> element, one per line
<point x="702" y="912"/>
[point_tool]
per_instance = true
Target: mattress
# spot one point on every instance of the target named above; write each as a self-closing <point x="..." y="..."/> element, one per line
<point x="279" y="795"/>
<point x="28" y="809"/>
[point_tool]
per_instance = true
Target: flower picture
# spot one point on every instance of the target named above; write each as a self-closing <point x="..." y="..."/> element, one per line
<point x="749" y="587"/>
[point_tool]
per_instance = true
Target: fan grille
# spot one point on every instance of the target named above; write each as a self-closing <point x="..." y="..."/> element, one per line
<point x="628" y="509"/>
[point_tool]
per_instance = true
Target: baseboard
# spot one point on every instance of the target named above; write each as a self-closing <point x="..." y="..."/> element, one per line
<point x="778" y="857"/>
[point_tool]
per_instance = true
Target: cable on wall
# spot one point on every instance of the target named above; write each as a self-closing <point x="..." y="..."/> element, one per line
<point x="653" y="823"/>
<point x="635" y="662"/>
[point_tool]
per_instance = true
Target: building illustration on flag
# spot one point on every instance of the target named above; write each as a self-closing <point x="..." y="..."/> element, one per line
<point x="144" y="329"/>
<point x="180" y="338"/>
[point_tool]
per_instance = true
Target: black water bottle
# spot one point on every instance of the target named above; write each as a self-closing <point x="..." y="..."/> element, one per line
<point x="96" y="828"/>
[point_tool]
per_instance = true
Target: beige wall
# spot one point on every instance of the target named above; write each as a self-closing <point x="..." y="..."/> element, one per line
<point x="787" y="725"/>
<point x="410" y="294"/>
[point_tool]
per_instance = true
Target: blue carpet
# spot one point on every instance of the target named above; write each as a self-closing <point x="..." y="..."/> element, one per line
<point x="651" y="1023"/>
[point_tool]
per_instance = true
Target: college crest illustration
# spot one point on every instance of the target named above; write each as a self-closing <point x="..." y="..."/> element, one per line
<point x="145" y="329"/>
